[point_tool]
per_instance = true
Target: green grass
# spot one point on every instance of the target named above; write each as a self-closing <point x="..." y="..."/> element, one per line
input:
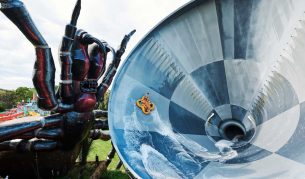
<point x="114" y="174"/>
<point x="101" y="149"/>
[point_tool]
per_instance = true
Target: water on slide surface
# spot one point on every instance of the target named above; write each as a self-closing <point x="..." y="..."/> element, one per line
<point x="227" y="80"/>
<point x="188" y="154"/>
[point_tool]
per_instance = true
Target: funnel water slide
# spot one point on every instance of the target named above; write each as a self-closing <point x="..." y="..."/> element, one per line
<point x="227" y="79"/>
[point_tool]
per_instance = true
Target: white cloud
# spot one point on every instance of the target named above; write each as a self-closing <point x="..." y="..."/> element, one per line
<point x="108" y="20"/>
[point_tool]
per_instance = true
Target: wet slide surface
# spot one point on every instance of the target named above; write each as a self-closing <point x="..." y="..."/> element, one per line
<point x="227" y="81"/>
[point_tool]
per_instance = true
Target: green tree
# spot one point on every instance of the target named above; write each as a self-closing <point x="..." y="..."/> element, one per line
<point x="24" y="93"/>
<point x="2" y="107"/>
<point x="8" y="99"/>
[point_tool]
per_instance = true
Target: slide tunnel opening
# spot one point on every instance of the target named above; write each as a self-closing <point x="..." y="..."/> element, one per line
<point x="231" y="129"/>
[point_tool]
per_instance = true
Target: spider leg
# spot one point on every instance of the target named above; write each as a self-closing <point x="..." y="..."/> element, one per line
<point x="97" y="131"/>
<point x="51" y="134"/>
<point x="12" y="129"/>
<point x="44" y="69"/>
<point x="65" y="88"/>
<point x="101" y="124"/>
<point x="100" y="113"/>
<point x="99" y="134"/>
<point x="22" y="145"/>
<point x="111" y="70"/>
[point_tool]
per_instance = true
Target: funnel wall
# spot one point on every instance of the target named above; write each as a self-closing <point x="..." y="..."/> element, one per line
<point x="210" y="61"/>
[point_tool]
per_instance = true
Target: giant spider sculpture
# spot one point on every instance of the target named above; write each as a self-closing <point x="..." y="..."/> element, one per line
<point x="50" y="145"/>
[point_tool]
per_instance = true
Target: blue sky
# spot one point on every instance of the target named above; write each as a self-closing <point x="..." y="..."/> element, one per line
<point x="105" y="19"/>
